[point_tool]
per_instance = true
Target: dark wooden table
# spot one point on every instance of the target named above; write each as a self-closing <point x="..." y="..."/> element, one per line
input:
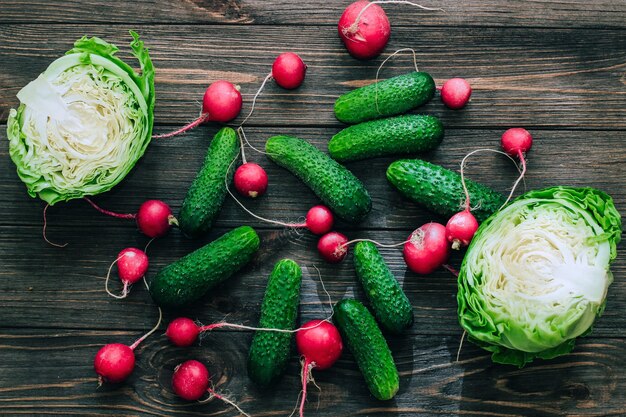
<point x="557" y="68"/>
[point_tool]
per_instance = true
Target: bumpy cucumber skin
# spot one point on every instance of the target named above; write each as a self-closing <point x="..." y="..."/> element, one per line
<point x="390" y="304"/>
<point x="206" y="194"/>
<point x="395" y="135"/>
<point x="189" y="278"/>
<point x="440" y="190"/>
<point x="395" y="95"/>
<point x="269" y="352"/>
<point x="366" y="342"/>
<point x="333" y="183"/>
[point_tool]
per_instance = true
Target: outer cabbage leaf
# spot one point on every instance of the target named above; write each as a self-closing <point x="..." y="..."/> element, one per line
<point x="536" y="274"/>
<point x="84" y="122"/>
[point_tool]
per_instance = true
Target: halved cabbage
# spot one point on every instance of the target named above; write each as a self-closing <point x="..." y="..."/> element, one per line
<point x="536" y="274"/>
<point x="84" y="122"/>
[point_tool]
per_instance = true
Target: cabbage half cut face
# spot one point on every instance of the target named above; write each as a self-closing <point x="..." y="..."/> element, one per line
<point x="82" y="124"/>
<point x="536" y="274"/>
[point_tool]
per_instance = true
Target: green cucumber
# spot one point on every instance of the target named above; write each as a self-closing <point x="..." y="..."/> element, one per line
<point x="337" y="187"/>
<point x="440" y="190"/>
<point x="395" y="135"/>
<point x="389" y="97"/>
<point x="270" y="350"/>
<point x="364" y="339"/>
<point x="189" y="278"/>
<point x="206" y="194"/>
<point x="390" y="304"/>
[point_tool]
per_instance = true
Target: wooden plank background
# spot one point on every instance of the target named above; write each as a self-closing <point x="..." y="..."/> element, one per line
<point x="557" y="68"/>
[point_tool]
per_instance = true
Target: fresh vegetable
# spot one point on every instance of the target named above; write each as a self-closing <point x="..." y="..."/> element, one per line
<point x="155" y="218"/>
<point x="427" y="248"/>
<point x="84" y="122"/>
<point x="206" y="194"/>
<point x="337" y="187"/>
<point x="250" y="180"/>
<point x="333" y="247"/>
<point x="461" y="228"/>
<point x="385" y="98"/>
<point x="536" y="274"/>
<point x="390" y="304"/>
<point x="319" y="220"/>
<point x="288" y="70"/>
<point x="221" y="103"/>
<point x="182" y="332"/>
<point x="455" y="93"/>
<point x="269" y="352"/>
<point x="440" y="190"/>
<point x="364" y="339"/>
<point x="395" y="135"/>
<point x="115" y="362"/>
<point x="132" y="265"/>
<point x="368" y="37"/>
<point x="516" y="140"/>
<point x="189" y="278"/>
<point x="320" y="345"/>
<point x="191" y="381"/>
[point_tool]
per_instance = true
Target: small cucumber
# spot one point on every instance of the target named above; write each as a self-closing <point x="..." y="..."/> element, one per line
<point x="440" y="190"/>
<point x="206" y="194"/>
<point x="337" y="187"/>
<point x="389" y="97"/>
<point x="390" y="304"/>
<point x="190" y="277"/>
<point x="364" y="339"/>
<point x="270" y="350"/>
<point x="395" y="135"/>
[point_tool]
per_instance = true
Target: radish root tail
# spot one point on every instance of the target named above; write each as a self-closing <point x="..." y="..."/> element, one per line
<point x="201" y="119"/>
<point x="213" y="394"/>
<point x="43" y="231"/>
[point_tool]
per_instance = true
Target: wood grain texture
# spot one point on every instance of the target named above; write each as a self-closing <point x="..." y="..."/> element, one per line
<point x="526" y="13"/>
<point x="532" y="77"/>
<point x="587" y="382"/>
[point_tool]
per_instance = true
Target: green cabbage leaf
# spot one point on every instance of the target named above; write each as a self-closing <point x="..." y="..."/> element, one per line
<point x="83" y="124"/>
<point x="536" y="274"/>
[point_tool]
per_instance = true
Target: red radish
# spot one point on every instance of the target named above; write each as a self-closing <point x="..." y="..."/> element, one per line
<point x="455" y="93"/>
<point x="221" y="103"/>
<point x="132" y="264"/>
<point x="191" y="380"/>
<point x="115" y="362"/>
<point x="332" y="247"/>
<point x="365" y="33"/>
<point x="182" y="332"/>
<point x="461" y="228"/>
<point x="427" y="248"/>
<point x="319" y="220"/>
<point x="516" y="141"/>
<point x="154" y="218"/>
<point x="250" y="180"/>
<point x="320" y="344"/>
<point x="288" y="70"/>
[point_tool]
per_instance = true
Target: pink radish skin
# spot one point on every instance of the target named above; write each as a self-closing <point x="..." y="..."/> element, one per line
<point x="427" y="248"/>
<point x="251" y="180"/>
<point x="332" y="247"/>
<point x="320" y="344"/>
<point x="132" y="265"/>
<point x="114" y="363"/>
<point x="461" y="228"/>
<point x="516" y="141"/>
<point x="370" y="35"/>
<point x="182" y="332"/>
<point x="288" y="70"/>
<point x="191" y="380"/>
<point x="155" y="218"/>
<point x="319" y="220"/>
<point x="222" y="101"/>
<point x="455" y="93"/>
